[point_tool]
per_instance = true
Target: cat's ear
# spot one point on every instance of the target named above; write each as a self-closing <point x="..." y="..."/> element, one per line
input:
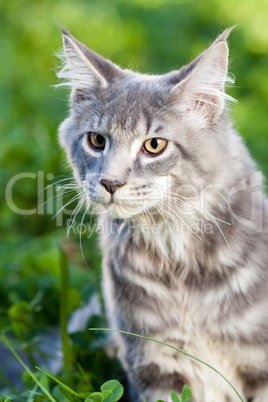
<point x="202" y="91"/>
<point x="85" y="71"/>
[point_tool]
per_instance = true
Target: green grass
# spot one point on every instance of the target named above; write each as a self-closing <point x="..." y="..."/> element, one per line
<point x="110" y="391"/>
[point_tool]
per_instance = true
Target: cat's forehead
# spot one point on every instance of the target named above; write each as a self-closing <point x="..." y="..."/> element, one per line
<point x="131" y="105"/>
<point x="137" y="91"/>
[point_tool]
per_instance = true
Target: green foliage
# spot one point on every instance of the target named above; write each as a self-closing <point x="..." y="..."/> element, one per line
<point x="186" y="395"/>
<point x="5" y="399"/>
<point x="30" y="372"/>
<point x="174" y="396"/>
<point x="112" y="391"/>
<point x="95" y="397"/>
<point x="64" y="296"/>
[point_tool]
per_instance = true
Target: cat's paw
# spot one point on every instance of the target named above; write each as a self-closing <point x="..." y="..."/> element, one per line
<point x="168" y="399"/>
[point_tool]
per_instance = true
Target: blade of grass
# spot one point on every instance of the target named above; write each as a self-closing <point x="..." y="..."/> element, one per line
<point x="59" y="382"/>
<point x="4" y="379"/>
<point x="26" y="368"/>
<point x="64" y="276"/>
<point x="32" y="393"/>
<point x="84" y="376"/>
<point x="172" y="347"/>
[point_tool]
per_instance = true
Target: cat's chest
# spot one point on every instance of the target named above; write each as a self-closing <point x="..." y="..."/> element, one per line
<point x="151" y="290"/>
<point x="146" y="299"/>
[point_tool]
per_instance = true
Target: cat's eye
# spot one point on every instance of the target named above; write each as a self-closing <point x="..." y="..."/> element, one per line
<point x="96" y="141"/>
<point x="154" y="146"/>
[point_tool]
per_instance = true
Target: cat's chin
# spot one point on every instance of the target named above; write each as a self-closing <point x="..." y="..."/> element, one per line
<point x="121" y="212"/>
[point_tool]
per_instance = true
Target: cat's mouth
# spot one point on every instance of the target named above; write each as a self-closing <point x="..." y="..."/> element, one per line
<point x="121" y="205"/>
<point x="124" y="209"/>
<point x="116" y="210"/>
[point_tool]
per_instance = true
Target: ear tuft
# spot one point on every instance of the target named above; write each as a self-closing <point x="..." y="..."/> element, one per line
<point x="202" y="91"/>
<point x="83" y="70"/>
<point x="78" y="72"/>
<point x="224" y="35"/>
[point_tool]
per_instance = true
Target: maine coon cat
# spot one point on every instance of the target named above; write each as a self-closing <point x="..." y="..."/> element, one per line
<point x="184" y="238"/>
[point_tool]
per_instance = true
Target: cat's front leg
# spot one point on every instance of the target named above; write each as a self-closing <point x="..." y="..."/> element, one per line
<point x="152" y="383"/>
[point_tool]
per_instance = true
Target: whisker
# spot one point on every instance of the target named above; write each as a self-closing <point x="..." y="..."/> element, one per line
<point x="80" y="236"/>
<point x="149" y="216"/>
<point x="55" y="197"/>
<point x="164" y="107"/>
<point x="61" y="175"/>
<point x="166" y="205"/>
<point x="90" y="110"/>
<point x="93" y="225"/>
<point x="172" y="234"/>
<point x="212" y="217"/>
<point x="222" y="196"/>
<point x="73" y="217"/>
<point x="166" y="222"/>
<point x="197" y="206"/>
<point x="153" y="244"/>
<point x="59" y="181"/>
<point x="77" y="196"/>
<point x="53" y="184"/>
<point x="69" y="186"/>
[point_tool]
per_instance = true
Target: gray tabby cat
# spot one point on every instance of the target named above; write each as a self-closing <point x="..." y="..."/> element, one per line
<point x="184" y="239"/>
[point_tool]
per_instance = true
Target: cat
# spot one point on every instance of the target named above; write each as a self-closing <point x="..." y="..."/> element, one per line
<point x="183" y="234"/>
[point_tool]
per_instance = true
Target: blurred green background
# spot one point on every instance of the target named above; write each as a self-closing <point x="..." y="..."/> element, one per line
<point x="147" y="35"/>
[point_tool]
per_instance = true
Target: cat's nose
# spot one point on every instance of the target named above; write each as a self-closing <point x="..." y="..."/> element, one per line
<point x="111" y="186"/>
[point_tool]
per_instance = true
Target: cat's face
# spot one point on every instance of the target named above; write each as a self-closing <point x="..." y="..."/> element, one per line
<point x="123" y="155"/>
<point x="134" y="140"/>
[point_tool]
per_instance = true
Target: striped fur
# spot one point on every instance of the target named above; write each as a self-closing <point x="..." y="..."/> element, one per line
<point x="184" y="237"/>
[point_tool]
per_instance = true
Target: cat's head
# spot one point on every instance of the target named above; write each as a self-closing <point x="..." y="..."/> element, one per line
<point x="133" y="140"/>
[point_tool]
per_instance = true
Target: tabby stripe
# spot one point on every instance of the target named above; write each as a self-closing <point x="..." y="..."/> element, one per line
<point x="130" y="292"/>
<point x="150" y="376"/>
<point x="254" y="380"/>
<point x="183" y="152"/>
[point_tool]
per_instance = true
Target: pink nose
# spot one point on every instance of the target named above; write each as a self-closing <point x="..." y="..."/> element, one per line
<point x="111" y="186"/>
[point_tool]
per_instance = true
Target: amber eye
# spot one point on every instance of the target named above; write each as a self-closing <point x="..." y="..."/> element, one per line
<point x="154" y="146"/>
<point x="97" y="141"/>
